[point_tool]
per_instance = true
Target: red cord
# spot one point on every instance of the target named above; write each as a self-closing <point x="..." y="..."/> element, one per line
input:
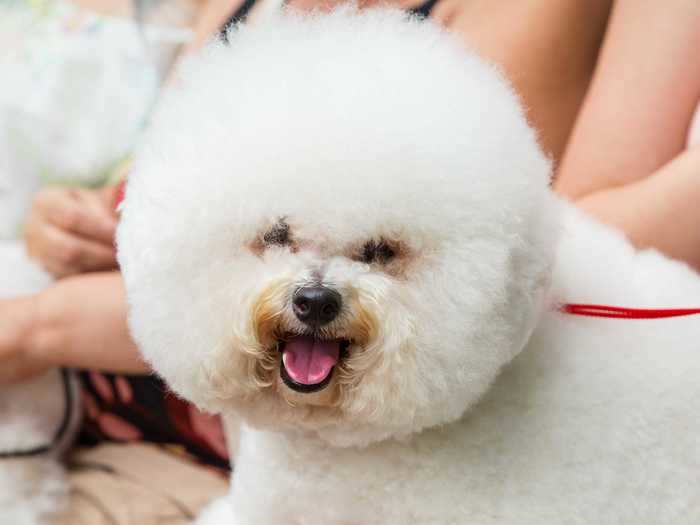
<point x="615" y="312"/>
<point x="119" y="194"/>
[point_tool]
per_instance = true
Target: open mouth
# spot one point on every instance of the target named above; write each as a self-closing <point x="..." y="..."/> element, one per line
<point x="308" y="362"/>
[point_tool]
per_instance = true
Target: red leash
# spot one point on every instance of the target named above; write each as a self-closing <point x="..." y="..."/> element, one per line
<point x="615" y="312"/>
<point x="119" y="194"/>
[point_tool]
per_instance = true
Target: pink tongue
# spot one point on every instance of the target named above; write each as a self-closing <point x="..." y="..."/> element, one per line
<point x="309" y="361"/>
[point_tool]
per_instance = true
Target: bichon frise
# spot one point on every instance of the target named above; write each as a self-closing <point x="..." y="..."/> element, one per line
<point x="341" y="230"/>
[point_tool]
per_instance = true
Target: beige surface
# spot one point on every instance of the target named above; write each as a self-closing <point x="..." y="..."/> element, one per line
<point x="137" y="484"/>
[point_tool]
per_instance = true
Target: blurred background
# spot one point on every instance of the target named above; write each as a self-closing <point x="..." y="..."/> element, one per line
<point x="78" y="80"/>
<point x="610" y="86"/>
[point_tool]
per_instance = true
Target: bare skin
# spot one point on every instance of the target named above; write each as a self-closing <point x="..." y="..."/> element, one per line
<point x="547" y="49"/>
<point x="626" y="163"/>
<point x="78" y="322"/>
<point x="71" y="231"/>
<point x="16" y="320"/>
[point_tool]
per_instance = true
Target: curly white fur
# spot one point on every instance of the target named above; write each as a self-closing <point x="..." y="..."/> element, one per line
<point x="356" y="127"/>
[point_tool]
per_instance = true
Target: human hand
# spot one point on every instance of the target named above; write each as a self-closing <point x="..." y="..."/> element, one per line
<point x="71" y="231"/>
<point x="17" y="361"/>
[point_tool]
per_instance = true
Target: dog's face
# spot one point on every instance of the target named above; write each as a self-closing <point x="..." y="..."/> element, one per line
<point x="352" y="273"/>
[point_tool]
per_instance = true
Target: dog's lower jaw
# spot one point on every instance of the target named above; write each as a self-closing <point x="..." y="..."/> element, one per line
<point x="326" y="397"/>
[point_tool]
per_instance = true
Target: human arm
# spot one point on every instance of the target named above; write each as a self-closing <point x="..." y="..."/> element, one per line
<point x="77" y="322"/>
<point x="625" y="163"/>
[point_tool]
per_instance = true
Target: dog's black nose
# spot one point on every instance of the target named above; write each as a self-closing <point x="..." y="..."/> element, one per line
<point x="316" y="305"/>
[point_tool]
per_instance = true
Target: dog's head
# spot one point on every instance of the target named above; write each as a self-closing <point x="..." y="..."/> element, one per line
<point x="339" y="225"/>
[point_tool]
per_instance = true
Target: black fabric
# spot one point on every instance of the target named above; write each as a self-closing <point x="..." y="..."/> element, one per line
<point x="239" y="16"/>
<point x="423" y="10"/>
<point x="159" y="416"/>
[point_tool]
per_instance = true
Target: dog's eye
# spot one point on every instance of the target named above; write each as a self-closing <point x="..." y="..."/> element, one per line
<point x="376" y="252"/>
<point x="278" y="235"/>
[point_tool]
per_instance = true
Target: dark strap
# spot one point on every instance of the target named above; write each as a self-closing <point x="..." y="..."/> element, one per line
<point x="239" y="16"/>
<point x="60" y="431"/>
<point x="423" y="10"/>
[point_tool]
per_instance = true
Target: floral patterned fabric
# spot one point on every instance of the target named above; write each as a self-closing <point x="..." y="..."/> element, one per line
<point x="141" y="408"/>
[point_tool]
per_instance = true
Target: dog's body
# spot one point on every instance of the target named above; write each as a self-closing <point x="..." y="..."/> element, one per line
<point x="357" y="252"/>
<point x="595" y="422"/>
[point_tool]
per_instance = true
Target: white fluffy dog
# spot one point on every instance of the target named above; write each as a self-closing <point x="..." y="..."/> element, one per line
<point x="341" y="230"/>
<point x="38" y="418"/>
